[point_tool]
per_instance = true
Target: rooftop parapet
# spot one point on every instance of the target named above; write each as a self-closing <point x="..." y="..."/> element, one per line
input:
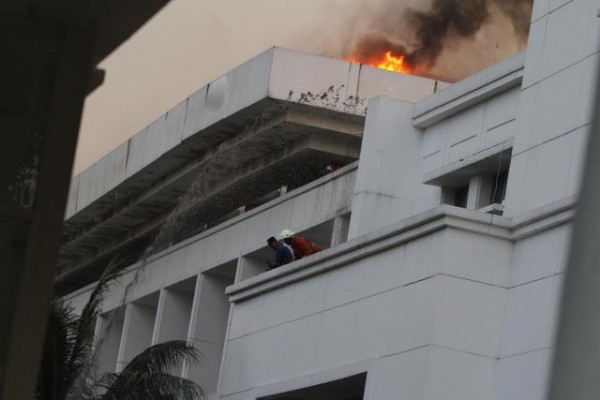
<point x="208" y="116"/>
<point x="470" y="91"/>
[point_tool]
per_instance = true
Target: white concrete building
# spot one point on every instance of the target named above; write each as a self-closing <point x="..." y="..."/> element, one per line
<point x="446" y="231"/>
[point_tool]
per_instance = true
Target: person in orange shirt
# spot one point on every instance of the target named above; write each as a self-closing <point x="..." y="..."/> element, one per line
<point x="301" y="245"/>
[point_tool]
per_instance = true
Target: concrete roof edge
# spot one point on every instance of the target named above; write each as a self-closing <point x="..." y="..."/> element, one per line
<point x="202" y="92"/>
<point x="279" y="74"/>
<point x="502" y="228"/>
<point x="470" y="91"/>
<point x="422" y="224"/>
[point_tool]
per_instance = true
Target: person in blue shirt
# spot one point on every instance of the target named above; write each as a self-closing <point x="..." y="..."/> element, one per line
<point x="283" y="254"/>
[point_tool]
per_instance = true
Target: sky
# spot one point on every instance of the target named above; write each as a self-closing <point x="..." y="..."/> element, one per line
<point x="189" y="43"/>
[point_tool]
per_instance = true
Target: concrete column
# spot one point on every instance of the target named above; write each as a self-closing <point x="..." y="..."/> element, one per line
<point x="138" y="327"/>
<point x="44" y="77"/>
<point x="389" y="167"/>
<point x="109" y="329"/>
<point x="341" y="225"/>
<point x="249" y="267"/>
<point x="173" y="315"/>
<point x="210" y="313"/>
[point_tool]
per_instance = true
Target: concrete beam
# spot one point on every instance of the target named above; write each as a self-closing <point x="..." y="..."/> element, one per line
<point x="469" y="92"/>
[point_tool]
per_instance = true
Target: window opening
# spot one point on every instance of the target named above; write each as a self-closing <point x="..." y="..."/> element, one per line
<point x="351" y="388"/>
<point x="477" y="186"/>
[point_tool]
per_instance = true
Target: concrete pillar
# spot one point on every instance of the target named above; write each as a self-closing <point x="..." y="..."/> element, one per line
<point x="138" y="327"/>
<point x="208" y="326"/>
<point x="173" y="315"/>
<point x="341" y="225"/>
<point x="249" y="267"/>
<point x="49" y="52"/>
<point x="389" y="167"/>
<point x="44" y="76"/>
<point x="109" y="330"/>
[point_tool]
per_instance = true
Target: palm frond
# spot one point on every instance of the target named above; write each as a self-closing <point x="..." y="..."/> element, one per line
<point x="108" y="380"/>
<point x="158" y="386"/>
<point x="67" y="360"/>
<point x="58" y="346"/>
<point x="81" y="355"/>
<point x="92" y="308"/>
<point x="163" y="357"/>
<point x="169" y="387"/>
<point x="147" y="375"/>
<point x="67" y="353"/>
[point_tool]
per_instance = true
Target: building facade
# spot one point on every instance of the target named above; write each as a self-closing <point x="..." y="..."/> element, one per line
<point x="445" y="212"/>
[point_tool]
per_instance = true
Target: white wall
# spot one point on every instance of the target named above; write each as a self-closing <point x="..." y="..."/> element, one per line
<point x="396" y="157"/>
<point x="412" y="302"/>
<point x="109" y="329"/>
<point x="536" y="281"/>
<point x="471" y="131"/>
<point x="388" y="172"/>
<point x="553" y="122"/>
<point x="173" y="314"/>
<point x="556" y="103"/>
<point x="138" y="327"/>
<point x="207" y="331"/>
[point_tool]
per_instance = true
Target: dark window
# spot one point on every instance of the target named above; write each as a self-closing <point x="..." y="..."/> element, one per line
<point x="351" y="388"/>
<point x="460" y="196"/>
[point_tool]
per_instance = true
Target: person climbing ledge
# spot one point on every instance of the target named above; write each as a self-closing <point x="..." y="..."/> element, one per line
<point x="283" y="254"/>
<point x="302" y="246"/>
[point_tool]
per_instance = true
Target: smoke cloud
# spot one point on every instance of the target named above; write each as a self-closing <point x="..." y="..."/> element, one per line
<point x="447" y="38"/>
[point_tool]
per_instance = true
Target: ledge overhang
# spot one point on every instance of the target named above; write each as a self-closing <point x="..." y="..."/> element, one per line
<point x="473" y="90"/>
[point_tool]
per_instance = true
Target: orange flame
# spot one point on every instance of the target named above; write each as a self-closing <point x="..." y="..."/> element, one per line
<point x="388" y="61"/>
<point x="393" y="63"/>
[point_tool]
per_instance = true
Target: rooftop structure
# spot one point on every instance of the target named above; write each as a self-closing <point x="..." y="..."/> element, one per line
<point x="277" y="120"/>
<point x="445" y="223"/>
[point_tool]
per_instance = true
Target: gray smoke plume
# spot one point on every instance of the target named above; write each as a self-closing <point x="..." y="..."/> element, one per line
<point x="447" y="20"/>
<point x="519" y="12"/>
<point x="422" y="35"/>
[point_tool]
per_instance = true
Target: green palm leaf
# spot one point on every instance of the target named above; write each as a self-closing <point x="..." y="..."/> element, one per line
<point x="53" y="380"/>
<point x="147" y="375"/>
<point x="66" y="371"/>
<point x="67" y="354"/>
